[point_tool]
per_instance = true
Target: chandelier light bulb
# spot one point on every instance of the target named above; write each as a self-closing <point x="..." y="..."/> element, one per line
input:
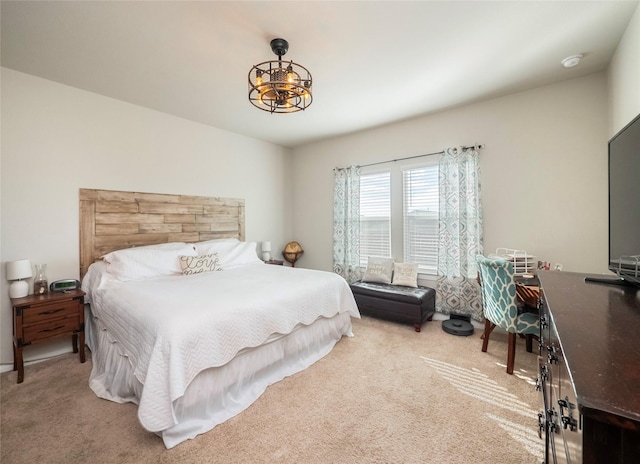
<point x="290" y="76"/>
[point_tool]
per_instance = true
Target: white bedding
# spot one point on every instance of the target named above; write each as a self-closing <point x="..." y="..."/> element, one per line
<point x="172" y="328"/>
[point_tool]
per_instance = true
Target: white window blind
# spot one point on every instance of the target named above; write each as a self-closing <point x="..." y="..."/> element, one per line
<point x="420" y="214"/>
<point x="375" y="216"/>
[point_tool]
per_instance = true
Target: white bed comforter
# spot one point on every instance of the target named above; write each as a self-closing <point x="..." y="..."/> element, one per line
<point x="172" y="328"/>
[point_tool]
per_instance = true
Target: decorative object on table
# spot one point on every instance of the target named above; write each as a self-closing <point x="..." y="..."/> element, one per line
<point x="17" y="271"/>
<point x="64" y="285"/>
<point x="280" y="87"/>
<point x="292" y="252"/>
<point x="266" y="251"/>
<point x="40" y="283"/>
<point x="524" y="264"/>
<point x="545" y="266"/>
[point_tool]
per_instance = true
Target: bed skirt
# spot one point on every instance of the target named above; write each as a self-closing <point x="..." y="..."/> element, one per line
<point x="218" y="393"/>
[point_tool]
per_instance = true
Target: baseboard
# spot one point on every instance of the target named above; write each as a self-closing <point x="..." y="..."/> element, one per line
<point x="50" y="355"/>
<point x="6" y="367"/>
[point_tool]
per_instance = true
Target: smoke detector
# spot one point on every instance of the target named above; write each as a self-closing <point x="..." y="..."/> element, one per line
<point x="571" y="61"/>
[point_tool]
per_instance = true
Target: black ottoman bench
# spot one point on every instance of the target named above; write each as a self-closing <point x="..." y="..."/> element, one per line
<point x="395" y="302"/>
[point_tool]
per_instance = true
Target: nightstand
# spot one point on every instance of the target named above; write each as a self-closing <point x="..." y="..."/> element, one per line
<point x="39" y="318"/>
<point x="277" y="262"/>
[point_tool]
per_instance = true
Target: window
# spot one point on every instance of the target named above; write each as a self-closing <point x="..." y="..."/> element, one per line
<point x="375" y="216"/>
<point x="399" y="215"/>
<point x="420" y="217"/>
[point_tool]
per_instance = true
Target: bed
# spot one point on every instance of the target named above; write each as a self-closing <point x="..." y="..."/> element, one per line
<point x="193" y="349"/>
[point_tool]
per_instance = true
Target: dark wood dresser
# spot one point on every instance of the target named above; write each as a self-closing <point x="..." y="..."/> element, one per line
<point x="589" y="374"/>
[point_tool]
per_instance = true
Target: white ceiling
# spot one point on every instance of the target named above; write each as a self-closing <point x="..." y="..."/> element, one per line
<point x="372" y="63"/>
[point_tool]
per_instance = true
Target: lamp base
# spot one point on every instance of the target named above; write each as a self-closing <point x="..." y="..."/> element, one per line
<point x="266" y="256"/>
<point x="18" y="289"/>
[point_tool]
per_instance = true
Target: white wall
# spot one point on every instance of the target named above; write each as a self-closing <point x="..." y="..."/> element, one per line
<point x="544" y="171"/>
<point x="57" y="139"/>
<point x="623" y="77"/>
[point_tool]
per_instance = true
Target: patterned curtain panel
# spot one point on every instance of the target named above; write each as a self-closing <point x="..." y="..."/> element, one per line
<point x="346" y="223"/>
<point x="460" y="234"/>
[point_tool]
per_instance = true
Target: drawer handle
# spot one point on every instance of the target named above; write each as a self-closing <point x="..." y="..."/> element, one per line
<point x="543" y="320"/>
<point x="551" y="423"/>
<point x="53" y="311"/>
<point x="541" y="423"/>
<point x="567" y="421"/>
<point x="52" y="330"/>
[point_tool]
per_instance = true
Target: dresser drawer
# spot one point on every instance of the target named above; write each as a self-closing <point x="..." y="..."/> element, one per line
<point x="49" y="312"/>
<point x="51" y="328"/>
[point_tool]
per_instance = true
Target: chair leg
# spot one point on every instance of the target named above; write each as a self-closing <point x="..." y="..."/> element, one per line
<point x="511" y="353"/>
<point x="529" y="339"/>
<point x="488" y="328"/>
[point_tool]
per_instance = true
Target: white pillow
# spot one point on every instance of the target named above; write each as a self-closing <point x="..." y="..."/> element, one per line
<point x="215" y="246"/>
<point x="201" y="263"/>
<point x="405" y="274"/>
<point x="239" y="254"/>
<point x="378" y="270"/>
<point x="147" y="261"/>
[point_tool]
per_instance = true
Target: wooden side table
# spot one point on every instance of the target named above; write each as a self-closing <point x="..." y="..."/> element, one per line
<point x="39" y="318"/>
<point x="277" y="262"/>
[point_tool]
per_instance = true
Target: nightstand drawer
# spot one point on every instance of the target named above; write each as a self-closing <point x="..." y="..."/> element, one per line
<point x="49" y="312"/>
<point x="50" y="328"/>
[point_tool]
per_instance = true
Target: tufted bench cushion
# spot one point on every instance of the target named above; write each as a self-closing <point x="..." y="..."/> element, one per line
<point x="395" y="302"/>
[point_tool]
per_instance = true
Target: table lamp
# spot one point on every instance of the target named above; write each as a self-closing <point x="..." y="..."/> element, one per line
<point x="17" y="271"/>
<point x="266" y="251"/>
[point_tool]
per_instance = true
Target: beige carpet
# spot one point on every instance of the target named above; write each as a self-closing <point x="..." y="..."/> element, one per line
<point x="388" y="395"/>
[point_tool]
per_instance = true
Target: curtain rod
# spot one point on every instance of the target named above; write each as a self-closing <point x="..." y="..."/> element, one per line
<point x="476" y="146"/>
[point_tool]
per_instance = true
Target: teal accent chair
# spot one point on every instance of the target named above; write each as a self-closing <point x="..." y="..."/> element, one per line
<point x="500" y="305"/>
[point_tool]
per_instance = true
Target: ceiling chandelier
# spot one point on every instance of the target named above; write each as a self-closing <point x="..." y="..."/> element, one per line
<point x="280" y="86"/>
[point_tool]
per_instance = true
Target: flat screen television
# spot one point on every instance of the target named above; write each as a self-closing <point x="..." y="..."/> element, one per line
<point x="624" y="204"/>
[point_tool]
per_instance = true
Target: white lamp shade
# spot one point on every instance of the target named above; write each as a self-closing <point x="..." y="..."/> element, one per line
<point x="20" y="269"/>
<point x="266" y="246"/>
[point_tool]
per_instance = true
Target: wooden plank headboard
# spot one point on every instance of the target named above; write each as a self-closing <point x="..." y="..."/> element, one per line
<point x="112" y="220"/>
